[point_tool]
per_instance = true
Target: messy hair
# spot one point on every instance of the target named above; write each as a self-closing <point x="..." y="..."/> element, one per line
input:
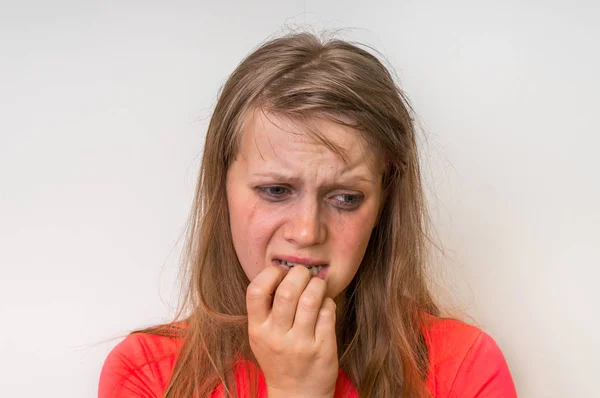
<point x="380" y="314"/>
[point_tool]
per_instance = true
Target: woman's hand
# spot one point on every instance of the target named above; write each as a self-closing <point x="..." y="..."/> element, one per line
<point x="293" y="339"/>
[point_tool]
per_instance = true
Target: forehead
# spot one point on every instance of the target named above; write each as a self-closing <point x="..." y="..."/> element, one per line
<point x="266" y="135"/>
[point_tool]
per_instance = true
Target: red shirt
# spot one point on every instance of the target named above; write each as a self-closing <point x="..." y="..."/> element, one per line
<point x="464" y="362"/>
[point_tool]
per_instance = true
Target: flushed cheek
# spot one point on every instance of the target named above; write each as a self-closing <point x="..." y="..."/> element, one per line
<point x="258" y="226"/>
<point x="240" y="214"/>
<point x="349" y="241"/>
<point x="353" y="232"/>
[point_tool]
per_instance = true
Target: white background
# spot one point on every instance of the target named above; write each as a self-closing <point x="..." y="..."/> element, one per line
<point x="103" y="112"/>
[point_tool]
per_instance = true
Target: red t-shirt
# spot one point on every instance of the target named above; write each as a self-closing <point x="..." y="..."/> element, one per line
<point x="464" y="362"/>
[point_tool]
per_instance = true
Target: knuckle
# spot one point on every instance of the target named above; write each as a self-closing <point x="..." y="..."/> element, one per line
<point x="309" y="302"/>
<point x="285" y="294"/>
<point x="302" y="350"/>
<point x="326" y="313"/>
<point x="254" y="338"/>
<point x="253" y="331"/>
<point x="254" y="292"/>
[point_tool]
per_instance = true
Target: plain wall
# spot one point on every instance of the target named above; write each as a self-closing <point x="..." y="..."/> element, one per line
<point x="103" y="113"/>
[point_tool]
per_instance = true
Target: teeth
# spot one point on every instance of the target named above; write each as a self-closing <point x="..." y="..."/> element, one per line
<point x="314" y="270"/>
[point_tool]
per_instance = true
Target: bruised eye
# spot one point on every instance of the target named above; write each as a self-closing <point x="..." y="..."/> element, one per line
<point x="348" y="201"/>
<point x="274" y="192"/>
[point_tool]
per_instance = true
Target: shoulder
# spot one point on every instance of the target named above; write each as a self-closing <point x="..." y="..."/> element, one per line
<point x="139" y="366"/>
<point x="464" y="361"/>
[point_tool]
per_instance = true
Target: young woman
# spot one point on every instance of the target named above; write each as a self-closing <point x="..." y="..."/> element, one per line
<point x="306" y="249"/>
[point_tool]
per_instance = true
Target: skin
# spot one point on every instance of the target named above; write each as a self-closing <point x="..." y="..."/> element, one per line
<point x="291" y="196"/>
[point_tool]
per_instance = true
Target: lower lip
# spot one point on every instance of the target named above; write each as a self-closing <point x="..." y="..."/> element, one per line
<point x="320" y="275"/>
<point x="323" y="272"/>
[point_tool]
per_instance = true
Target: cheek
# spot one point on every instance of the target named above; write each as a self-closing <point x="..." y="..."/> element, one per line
<point x="352" y="238"/>
<point x="354" y="230"/>
<point x="251" y="227"/>
<point x="348" y="243"/>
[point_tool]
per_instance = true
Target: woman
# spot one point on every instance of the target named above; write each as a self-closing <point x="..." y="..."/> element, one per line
<point x="306" y="249"/>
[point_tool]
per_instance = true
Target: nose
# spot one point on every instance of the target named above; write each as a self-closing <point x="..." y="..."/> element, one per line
<point x="305" y="227"/>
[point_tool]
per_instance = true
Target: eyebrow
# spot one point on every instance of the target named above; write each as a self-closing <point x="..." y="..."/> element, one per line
<point x="291" y="178"/>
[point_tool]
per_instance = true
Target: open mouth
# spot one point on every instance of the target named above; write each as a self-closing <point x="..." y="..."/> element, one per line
<point x="315" y="269"/>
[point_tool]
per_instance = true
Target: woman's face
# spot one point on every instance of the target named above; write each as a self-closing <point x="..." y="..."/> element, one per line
<point x="291" y="198"/>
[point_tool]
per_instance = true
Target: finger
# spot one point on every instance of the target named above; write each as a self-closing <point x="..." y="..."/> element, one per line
<point x="309" y="305"/>
<point x="325" y="327"/>
<point x="286" y="298"/>
<point x="259" y="294"/>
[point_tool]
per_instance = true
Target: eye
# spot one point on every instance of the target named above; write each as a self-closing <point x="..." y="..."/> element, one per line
<point x="273" y="192"/>
<point x="349" y="201"/>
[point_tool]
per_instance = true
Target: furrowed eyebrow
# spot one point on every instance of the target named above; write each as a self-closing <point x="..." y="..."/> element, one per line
<point x="360" y="177"/>
<point x="276" y="175"/>
<point x="346" y="178"/>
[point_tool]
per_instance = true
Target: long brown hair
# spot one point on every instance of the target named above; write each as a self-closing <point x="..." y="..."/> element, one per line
<point x="379" y="330"/>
